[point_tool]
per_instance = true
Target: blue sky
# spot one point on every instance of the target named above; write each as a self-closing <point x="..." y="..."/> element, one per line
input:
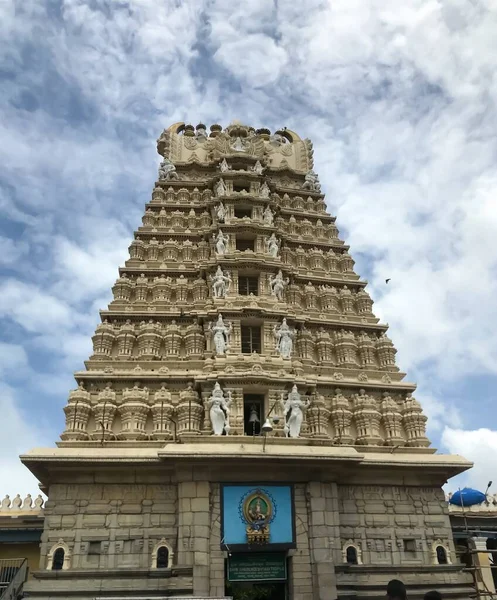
<point x="399" y="101"/>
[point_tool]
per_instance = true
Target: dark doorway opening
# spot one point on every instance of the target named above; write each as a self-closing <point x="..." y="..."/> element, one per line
<point x="256" y="590"/>
<point x="253" y="409"/>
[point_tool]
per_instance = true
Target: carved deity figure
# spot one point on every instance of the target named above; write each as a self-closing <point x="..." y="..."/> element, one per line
<point x="220" y="283"/>
<point x="273" y="245"/>
<point x="294" y="408"/>
<point x="221" y="241"/>
<point x="219" y="410"/>
<point x="311" y="182"/>
<point x="264" y="190"/>
<point x="278" y="284"/>
<point x="224" y="167"/>
<point x="276" y="139"/>
<point x="201" y="133"/>
<point x="238" y="145"/>
<point x="167" y="170"/>
<point x="220" y="334"/>
<point x="221" y="212"/>
<point x="220" y="188"/>
<point x="284" y="339"/>
<point x="268" y="216"/>
<point x="258" y="168"/>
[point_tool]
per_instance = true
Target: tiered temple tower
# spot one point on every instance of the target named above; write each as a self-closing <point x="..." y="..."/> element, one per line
<point x="242" y="396"/>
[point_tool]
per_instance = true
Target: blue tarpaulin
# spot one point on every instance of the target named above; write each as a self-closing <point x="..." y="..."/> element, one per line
<point x="467" y="497"/>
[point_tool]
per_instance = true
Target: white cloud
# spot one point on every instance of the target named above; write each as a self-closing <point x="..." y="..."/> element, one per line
<point x="479" y="446"/>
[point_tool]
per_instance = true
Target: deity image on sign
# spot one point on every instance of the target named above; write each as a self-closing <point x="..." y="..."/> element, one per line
<point x="167" y="170"/>
<point x="220" y="334"/>
<point x="278" y="285"/>
<point x="219" y="410"/>
<point x="284" y="339"/>
<point x="258" y="510"/>
<point x="268" y="216"/>
<point x="294" y="412"/>
<point x="273" y="245"/>
<point x="220" y="283"/>
<point x="221" y="241"/>
<point x="221" y="212"/>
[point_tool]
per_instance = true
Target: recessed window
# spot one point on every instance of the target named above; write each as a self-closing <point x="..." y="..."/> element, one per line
<point x="245" y="244"/>
<point x="251" y="339"/>
<point x="241" y="188"/>
<point x="441" y="555"/>
<point x="94" y="548"/>
<point x="253" y="406"/>
<point x="58" y="559"/>
<point x="351" y="555"/>
<point x="410" y="546"/>
<point x="162" y="557"/>
<point x="243" y="212"/>
<point x="248" y="285"/>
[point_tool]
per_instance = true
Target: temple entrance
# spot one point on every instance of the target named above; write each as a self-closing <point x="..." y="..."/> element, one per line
<point x="256" y="590"/>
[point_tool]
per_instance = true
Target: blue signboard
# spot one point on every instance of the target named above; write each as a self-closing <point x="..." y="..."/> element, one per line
<point x="257" y="516"/>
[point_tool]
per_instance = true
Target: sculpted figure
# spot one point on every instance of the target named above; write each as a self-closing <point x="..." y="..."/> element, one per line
<point x="238" y="145"/>
<point x="221" y="212"/>
<point x="219" y="410"/>
<point x="220" y="188"/>
<point x="311" y="182"/>
<point x="221" y="242"/>
<point x="224" y="166"/>
<point x="284" y="339"/>
<point x="201" y="133"/>
<point x="220" y="283"/>
<point x="273" y="245"/>
<point x="258" y="168"/>
<point x="220" y="334"/>
<point x="294" y="412"/>
<point x="268" y="216"/>
<point x="264" y="190"/>
<point x="167" y="171"/>
<point x="276" y="139"/>
<point x="278" y="285"/>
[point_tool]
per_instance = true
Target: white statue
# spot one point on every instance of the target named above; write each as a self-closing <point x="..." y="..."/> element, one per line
<point x="258" y="168"/>
<point x="238" y="145"/>
<point x="221" y="241"/>
<point x="311" y="182"/>
<point x="220" y="188"/>
<point x="278" y="285"/>
<point x="219" y="410"/>
<point x="220" y="283"/>
<point x="284" y="339"/>
<point x="220" y="334"/>
<point x="264" y="191"/>
<point x="273" y="245"/>
<point x="224" y="166"/>
<point x="201" y="133"/>
<point x="167" y="170"/>
<point x="276" y="139"/>
<point x="268" y="216"/>
<point x="221" y="212"/>
<point x="294" y="412"/>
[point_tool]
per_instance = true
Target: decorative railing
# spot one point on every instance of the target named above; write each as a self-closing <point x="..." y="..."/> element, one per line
<point x="13" y="574"/>
<point x="11" y="507"/>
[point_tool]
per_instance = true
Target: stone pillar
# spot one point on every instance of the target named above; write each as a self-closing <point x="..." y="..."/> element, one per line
<point x="300" y="573"/>
<point x="324" y="530"/>
<point x="217" y="556"/>
<point x="481" y="561"/>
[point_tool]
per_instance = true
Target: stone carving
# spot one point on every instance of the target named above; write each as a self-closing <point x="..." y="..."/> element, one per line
<point x="258" y="168"/>
<point x="311" y="182"/>
<point x="239" y="145"/>
<point x="219" y="410"/>
<point x="273" y="245"/>
<point x="268" y="216"/>
<point x="162" y="411"/>
<point x="220" y="188"/>
<point x="294" y="408"/>
<point x="278" y="284"/>
<point x="221" y="282"/>
<point x="220" y="334"/>
<point x="264" y="190"/>
<point x="221" y="213"/>
<point x="189" y="412"/>
<point x="284" y="339"/>
<point x="221" y="242"/>
<point x="201" y="133"/>
<point x="167" y="171"/>
<point x="224" y="167"/>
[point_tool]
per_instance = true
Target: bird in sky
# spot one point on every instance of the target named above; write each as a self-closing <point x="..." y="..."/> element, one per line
<point x="387" y="280"/>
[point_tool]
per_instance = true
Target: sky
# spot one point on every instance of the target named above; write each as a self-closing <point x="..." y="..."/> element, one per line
<point x="400" y="103"/>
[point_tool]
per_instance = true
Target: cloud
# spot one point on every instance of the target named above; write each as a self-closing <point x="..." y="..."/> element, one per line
<point x="479" y="446"/>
